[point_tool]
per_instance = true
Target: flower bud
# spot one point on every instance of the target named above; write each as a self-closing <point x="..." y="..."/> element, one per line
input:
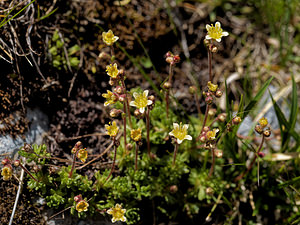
<point x="5" y="161"/>
<point x="203" y="138"/>
<point x="113" y="82"/>
<point x="117" y="143"/>
<point x="152" y="98"/>
<point x="222" y="117"/>
<point x="118" y="90"/>
<point x="78" y="198"/>
<point x="115" y="112"/>
<point x="267" y="133"/>
<point x="214" y="49"/>
<point x="236" y="120"/>
<point x="129" y="146"/>
<point x="261" y="154"/>
<point x="258" y="129"/>
<point x="122" y="98"/>
<point x="27" y="148"/>
<point x="209" y="100"/>
<point x="218" y="153"/>
<point x="103" y="55"/>
<point x="78" y="144"/>
<point x="169" y="54"/>
<point x="17" y="163"/>
<point x="169" y="60"/>
<point x="167" y="85"/>
<point x="218" y="93"/>
<point x="138" y="114"/>
<point x="212" y="112"/>
<point x="36" y="168"/>
<point x="209" y="191"/>
<point x="173" y="189"/>
<point x="176" y="59"/>
<point x="206" y="42"/>
<point x="205" y="128"/>
<point x="192" y="89"/>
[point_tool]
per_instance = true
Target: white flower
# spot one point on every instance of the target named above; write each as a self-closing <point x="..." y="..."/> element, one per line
<point x="215" y="32"/>
<point x="141" y="101"/>
<point x="180" y="132"/>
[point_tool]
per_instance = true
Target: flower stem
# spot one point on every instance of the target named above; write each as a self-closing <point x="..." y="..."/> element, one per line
<point x="175" y="152"/>
<point x="73" y="164"/>
<point x="197" y="103"/>
<point x="126" y="102"/>
<point x="209" y="63"/>
<point x="253" y="161"/>
<point x="148" y="130"/>
<point x="205" y="119"/>
<point x="168" y="91"/>
<point x="114" y="161"/>
<point x="124" y="125"/>
<point x="213" y="156"/>
<point x="23" y="167"/>
<point x="136" y="155"/>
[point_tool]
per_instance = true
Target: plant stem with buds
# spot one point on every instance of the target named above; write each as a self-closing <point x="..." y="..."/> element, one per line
<point x="148" y="130"/>
<point x="114" y="160"/>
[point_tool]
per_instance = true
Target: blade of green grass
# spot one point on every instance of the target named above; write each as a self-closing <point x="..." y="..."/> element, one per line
<point x="49" y="14"/>
<point x="257" y="97"/>
<point x="294" y="107"/>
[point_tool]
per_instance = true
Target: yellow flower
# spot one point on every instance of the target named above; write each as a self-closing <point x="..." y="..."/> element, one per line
<point x="136" y="134"/>
<point x="112" y="70"/>
<point x="109" y="38"/>
<point x="215" y="32"/>
<point x="141" y="101"/>
<point x="212" y="87"/>
<point x="112" y="129"/>
<point x="211" y="135"/>
<point x="6" y="172"/>
<point x="111" y="98"/>
<point x="263" y="122"/>
<point x="82" y="206"/>
<point x="117" y="213"/>
<point x="82" y="155"/>
<point x="180" y="132"/>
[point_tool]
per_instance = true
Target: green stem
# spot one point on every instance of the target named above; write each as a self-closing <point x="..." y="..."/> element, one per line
<point x="175" y="153"/>
<point x="148" y="131"/>
<point x="136" y="155"/>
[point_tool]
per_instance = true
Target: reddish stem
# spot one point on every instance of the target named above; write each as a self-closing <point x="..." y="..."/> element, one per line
<point x="175" y="153"/>
<point x="23" y="167"/>
<point x="114" y="161"/>
<point x="136" y="155"/>
<point x="148" y="131"/>
<point x="213" y="162"/>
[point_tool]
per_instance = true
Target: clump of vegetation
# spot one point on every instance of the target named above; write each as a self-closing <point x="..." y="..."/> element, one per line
<point x="166" y="165"/>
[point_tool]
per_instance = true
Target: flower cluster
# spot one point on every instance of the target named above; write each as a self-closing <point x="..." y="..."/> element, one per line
<point x="180" y="132"/>
<point x="7" y="171"/>
<point x="208" y="135"/>
<point x="81" y="205"/>
<point x="171" y="58"/>
<point x="117" y="213"/>
<point x="213" y="91"/>
<point x="263" y="127"/>
<point x="136" y="134"/>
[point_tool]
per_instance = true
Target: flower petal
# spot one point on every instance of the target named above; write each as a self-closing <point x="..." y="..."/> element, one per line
<point x="123" y="219"/>
<point x="179" y="141"/>
<point x="175" y="125"/>
<point x="149" y="102"/>
<point x="118" y="206"/>
<point x="185" y="126"/>
<point x="218" y="40"/>
<point x="113" y="219"/>
<point x="142" y="110"/>
<point x="135" y="94"/>
<point x="208" y="27"/>
<point x="171" y="133"/>
<point x="217" y="25"/>
<point x="225" y="33"/>
<point x="146" y="92"/>
<point x="106" y="103"/>
<point x="188" y="137"/>
<point x="132" y="103"/>
<point x="123" y="211"/>
<point x="207" y="37"/>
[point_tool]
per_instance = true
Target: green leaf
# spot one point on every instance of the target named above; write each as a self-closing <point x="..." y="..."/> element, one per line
<point x="257" y="97"/>
<point x="294" y="107"/>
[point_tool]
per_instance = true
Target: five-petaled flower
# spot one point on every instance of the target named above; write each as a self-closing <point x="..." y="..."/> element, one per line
<point x="6" y="172"/>
<point x="82" y="154"/>
<point x="82" y="206"/>
<point x="180" y="132"/>
<point x="211" y="135"/>
<point x="112" y="129"/>
<point x="117" y="213"/>
<point x="141" y="101"/>
<point x="111" y="98"/>
<point x="136" y="134"/>
<point x="215" y="32"/>
<point x="112" y="70"/>
<point x="109" y="38"/>
<point x="263" y="122"/>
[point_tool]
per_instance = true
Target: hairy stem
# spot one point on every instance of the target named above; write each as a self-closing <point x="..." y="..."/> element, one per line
<point x="197" y="103"/>
<point x="124" y="125"/>
<point x="205" y="120"/>
<point x="213" y="156"/>
<point x="148" y="131"/>
<point x="168" y="91"/>
<point x="73" y="164"/>
<point x="126" y="102"/>
<point x="136" y="155"/>
<point x="23" y="167"/>
<point x="209" y="64"/>
<point x="175" y="153"/>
